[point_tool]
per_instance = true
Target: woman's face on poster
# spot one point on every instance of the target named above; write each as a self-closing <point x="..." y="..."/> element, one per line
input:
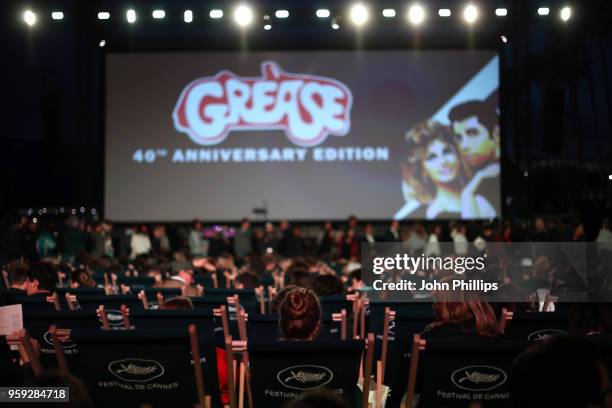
<point x="440" y="162"/>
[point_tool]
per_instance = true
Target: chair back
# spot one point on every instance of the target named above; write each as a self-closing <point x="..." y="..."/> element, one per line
<point x="282" y="370"/>
<point x="37" y="324"/>
<point x="536" y="326"/>
<point x="265" y="327"/>
<point x="136" y="367"/>
<point x="409" y="319"/>
<point x="457" y="372"/>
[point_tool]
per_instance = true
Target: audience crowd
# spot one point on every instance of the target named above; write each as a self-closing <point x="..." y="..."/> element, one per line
<point x="312" y="262"/>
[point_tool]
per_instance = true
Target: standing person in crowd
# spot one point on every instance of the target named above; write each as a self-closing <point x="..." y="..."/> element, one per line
<point x="219" y="243"/>
<point x="432" y="247"/>
<point x="507" y="231"/>
<point x="604" y="238"/>
<point x="102" y="240"/>
<point x="578" y="232"/>
<point x="74" y="238"/>
<point x="539" y="232"/>
<point x="198" y="244"/>
<point x="243" y="240"/>
<point x="349" y="246"/>
<point x="417" y="238"/>
<point x="161" y="242"/>
<point x="290" y="244"/>
<point x="270" y="239"/>
<point x="326" y="240"/>
<point x="46" y="244"/>
<point x="368" y="234"/>
<point x="140" y="243"/>
<point x="460" y="241"/>
<point x="300" y="315"/>
<point x="393" y="233"/>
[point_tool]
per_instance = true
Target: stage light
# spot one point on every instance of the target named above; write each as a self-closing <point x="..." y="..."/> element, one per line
<point x="57" y="15"/>
<point x="566" y="13"/>
<point x="501" y="12"/>
<point x="102" y="43"/>
<point x="444" y="12"/>
<point x="216" y="14"/>
<point x="188" y="16"/>
<point x="335" y="26"/>
<point x="103" y="15"/>
<point x="609" y="176"/>
<point x="388" y="13"/>
<point x="281" y="14"/>
<point x="131" y="16"/>
<point x="159" y="14"/>
<point x="470" y="14"/>
<point x="267" y="27"/>
<point x="29" y="17"/>
<point x="359" y="14"/>
<point x="243" y="15"/>
<point x="543" y="11"/>
<point x="416" y="14"/>
<point x="323" y="13"/>
<point x="504" y="39"/>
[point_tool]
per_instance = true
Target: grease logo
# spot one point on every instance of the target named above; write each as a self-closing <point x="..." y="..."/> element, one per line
<point x="478" y="378"/>
<point x="307" y="107"/>
<point x="136" y="370"/>
<point x="305" y="377"/>
<point x="541" y="335"/>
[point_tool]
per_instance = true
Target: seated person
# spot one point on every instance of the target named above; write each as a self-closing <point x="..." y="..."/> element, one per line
<point x="247" y="280"/>
<point x="327" y="285"/>
<point x="590" y="318"/>
<point x="184" y="303"/>
<point x="42" y="279"/>
<point x="18" y="278"/>
<point x="321" y="398"/>
<point x="81" y="279"/>
<point x="300" y="315"/>
<point x="513" y="298"/>
<point x="181" y="277"/>
<point x="279" y="298"/>
<point x="177" y="303"/>
<point x="563" y="371"/>
<point x="469" y="317"/>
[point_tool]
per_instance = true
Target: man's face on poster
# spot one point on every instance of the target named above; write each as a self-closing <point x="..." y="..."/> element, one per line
<point x="475" y="141"/>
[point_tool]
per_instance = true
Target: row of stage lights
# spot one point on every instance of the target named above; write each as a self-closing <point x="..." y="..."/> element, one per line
<point x="359" y="14"/>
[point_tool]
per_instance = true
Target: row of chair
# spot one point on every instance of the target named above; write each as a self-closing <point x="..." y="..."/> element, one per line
<point x="393" y="340"/>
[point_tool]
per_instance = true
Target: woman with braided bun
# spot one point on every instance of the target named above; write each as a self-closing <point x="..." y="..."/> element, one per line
<point x="300" y="315"/>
